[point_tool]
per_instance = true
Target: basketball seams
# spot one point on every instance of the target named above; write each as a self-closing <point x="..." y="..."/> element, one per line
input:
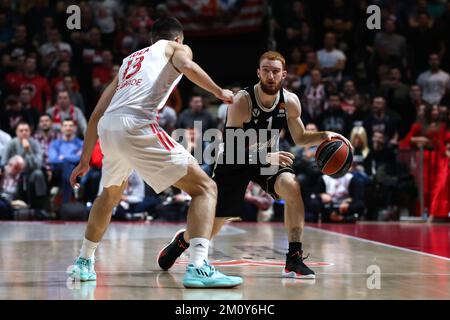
<point x="331" y="157"/>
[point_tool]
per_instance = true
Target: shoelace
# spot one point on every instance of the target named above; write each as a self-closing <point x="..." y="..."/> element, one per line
<point x="298" y="254"/>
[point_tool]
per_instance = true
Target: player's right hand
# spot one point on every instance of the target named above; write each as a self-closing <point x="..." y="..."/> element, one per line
<point x="281" y="158"/>
<point x="226" y="96"/>
<point x="80" y="170"/>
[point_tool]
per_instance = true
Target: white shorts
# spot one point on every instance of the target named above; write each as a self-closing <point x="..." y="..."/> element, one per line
<point x="129" y="143"/>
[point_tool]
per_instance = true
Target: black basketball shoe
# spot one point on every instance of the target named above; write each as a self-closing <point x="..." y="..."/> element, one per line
<point x="170" y="253"/>
<point x="296" y="268"/>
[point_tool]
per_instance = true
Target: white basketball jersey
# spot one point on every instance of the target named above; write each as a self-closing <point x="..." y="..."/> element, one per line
<point x="145" y="81"/>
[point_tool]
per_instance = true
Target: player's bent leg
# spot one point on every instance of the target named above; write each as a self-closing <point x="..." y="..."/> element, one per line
<point x="99" y="219"/>
<point x="101" y="212"/>
<point x="203" y="190"/>
<point x="288" y="188"/>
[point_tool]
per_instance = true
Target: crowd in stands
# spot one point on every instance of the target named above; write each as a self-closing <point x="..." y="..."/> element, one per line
<point x="387" y="90"/>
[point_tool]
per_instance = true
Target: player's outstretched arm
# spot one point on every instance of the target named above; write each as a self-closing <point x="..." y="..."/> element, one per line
<point x="91" y="135"/>
<point x="301" y="136"/>
<point x="182" y="61"/>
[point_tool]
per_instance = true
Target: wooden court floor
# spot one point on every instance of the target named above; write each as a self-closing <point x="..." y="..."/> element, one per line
<point x="35" y="255"/>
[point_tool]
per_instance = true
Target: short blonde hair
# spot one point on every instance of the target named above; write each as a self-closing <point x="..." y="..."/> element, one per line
<point x="273" y="55"/>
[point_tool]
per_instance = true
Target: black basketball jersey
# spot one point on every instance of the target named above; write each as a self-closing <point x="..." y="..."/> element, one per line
<point x="267" y="123"/>
<point x="263" y="118"/>
<point x="273" y="118"/>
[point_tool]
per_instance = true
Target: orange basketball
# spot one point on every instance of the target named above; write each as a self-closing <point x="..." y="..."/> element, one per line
<point x="334" y="157"/>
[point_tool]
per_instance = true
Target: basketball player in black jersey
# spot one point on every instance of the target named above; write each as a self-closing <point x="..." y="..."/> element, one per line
<point x="265" y="105"/>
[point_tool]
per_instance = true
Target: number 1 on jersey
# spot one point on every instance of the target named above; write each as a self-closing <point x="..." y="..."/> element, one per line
<point x="269" y="126"/>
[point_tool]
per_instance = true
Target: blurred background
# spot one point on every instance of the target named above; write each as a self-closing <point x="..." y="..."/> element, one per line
<point x="386" y="90"/>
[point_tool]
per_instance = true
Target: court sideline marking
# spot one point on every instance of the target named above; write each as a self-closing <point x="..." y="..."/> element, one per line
<point x="379" y="243"/>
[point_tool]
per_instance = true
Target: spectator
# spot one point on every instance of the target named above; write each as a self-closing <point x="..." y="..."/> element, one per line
<point x="45" y="134"/>
<point x="106" y="13"/>
<point x="63" y="155"/>
<point x="64" y="109"/>
<point x="10" y="181"/>
<point x="434" y="82"/>
<point x="314" y="97"/>
<point x="70" y="84"/>
<point x="427" y="133"/>
<point x="333" y="118"/>
<point x="133" y="202"/>
<point x="31" y="113"/>
<point x="440" y="202"/>
<point x="379" y="154"/>
<point x="51" y="50"/>
<point x="4" y="140"/>
<point x="381" y="120"/>
<point x="423" y="41"/>
<point x="36" y="14"/>
<point x="348" y="97"/>
<point x="338" y="200"/>
<point x="410" y="110"/>
<point x="101" y="74"/>
<point x="196" y="112"/>
<point x="362" y="109"/>
<point x="13" y="115"/>
<point x="390" y="46"/>
<point x="331" y="60"/>
<point x="6" y="32"/>
<point x="30" y="150"/>
<point x="256" y="203"/>
<point x="57" y="82"/>
<point x="395" y="92"/>
<point x="359" y="141"/>
<point x="311" y="63"/>
<point x="39" y="85"/>
<point x="20" y="46"/>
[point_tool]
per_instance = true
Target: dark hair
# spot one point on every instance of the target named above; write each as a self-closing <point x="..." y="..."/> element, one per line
<point x="22" y="123"/>
<point x="167" y="28"/>
<point x="45" y="115"/>
<point x="68" y="119"/>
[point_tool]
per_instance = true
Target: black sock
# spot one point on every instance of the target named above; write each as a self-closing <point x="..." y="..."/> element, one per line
<point x="294" y="247"/>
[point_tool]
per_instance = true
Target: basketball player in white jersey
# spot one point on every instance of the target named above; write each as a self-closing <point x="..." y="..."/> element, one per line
<point x="130" y="138"/>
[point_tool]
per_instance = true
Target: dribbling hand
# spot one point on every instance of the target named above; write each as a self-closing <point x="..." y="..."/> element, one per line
<point x="330" y="135"/>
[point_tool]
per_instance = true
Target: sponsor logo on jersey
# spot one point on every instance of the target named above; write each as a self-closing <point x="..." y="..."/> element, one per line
<point x="255" y="112"/>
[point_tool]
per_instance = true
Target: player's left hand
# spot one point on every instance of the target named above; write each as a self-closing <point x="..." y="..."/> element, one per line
<point x="80" y="170"/>
<point x="329" y="135"/>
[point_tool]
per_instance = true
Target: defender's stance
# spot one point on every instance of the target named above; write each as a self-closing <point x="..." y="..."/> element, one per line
<point x="130" y="138"/>
<point x="265" y="105"/>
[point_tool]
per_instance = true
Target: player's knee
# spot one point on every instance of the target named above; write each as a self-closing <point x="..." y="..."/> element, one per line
<point x="209" y="188"/>
<point x="110" y="199"/>
<point x="289" y="188"/>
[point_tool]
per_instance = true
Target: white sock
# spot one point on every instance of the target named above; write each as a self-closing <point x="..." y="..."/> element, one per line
<point x="88" y="248"/>
<point x="198" y="251"/>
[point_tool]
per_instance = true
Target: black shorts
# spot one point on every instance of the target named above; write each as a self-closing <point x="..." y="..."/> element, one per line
<point x="232" y="182"/>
